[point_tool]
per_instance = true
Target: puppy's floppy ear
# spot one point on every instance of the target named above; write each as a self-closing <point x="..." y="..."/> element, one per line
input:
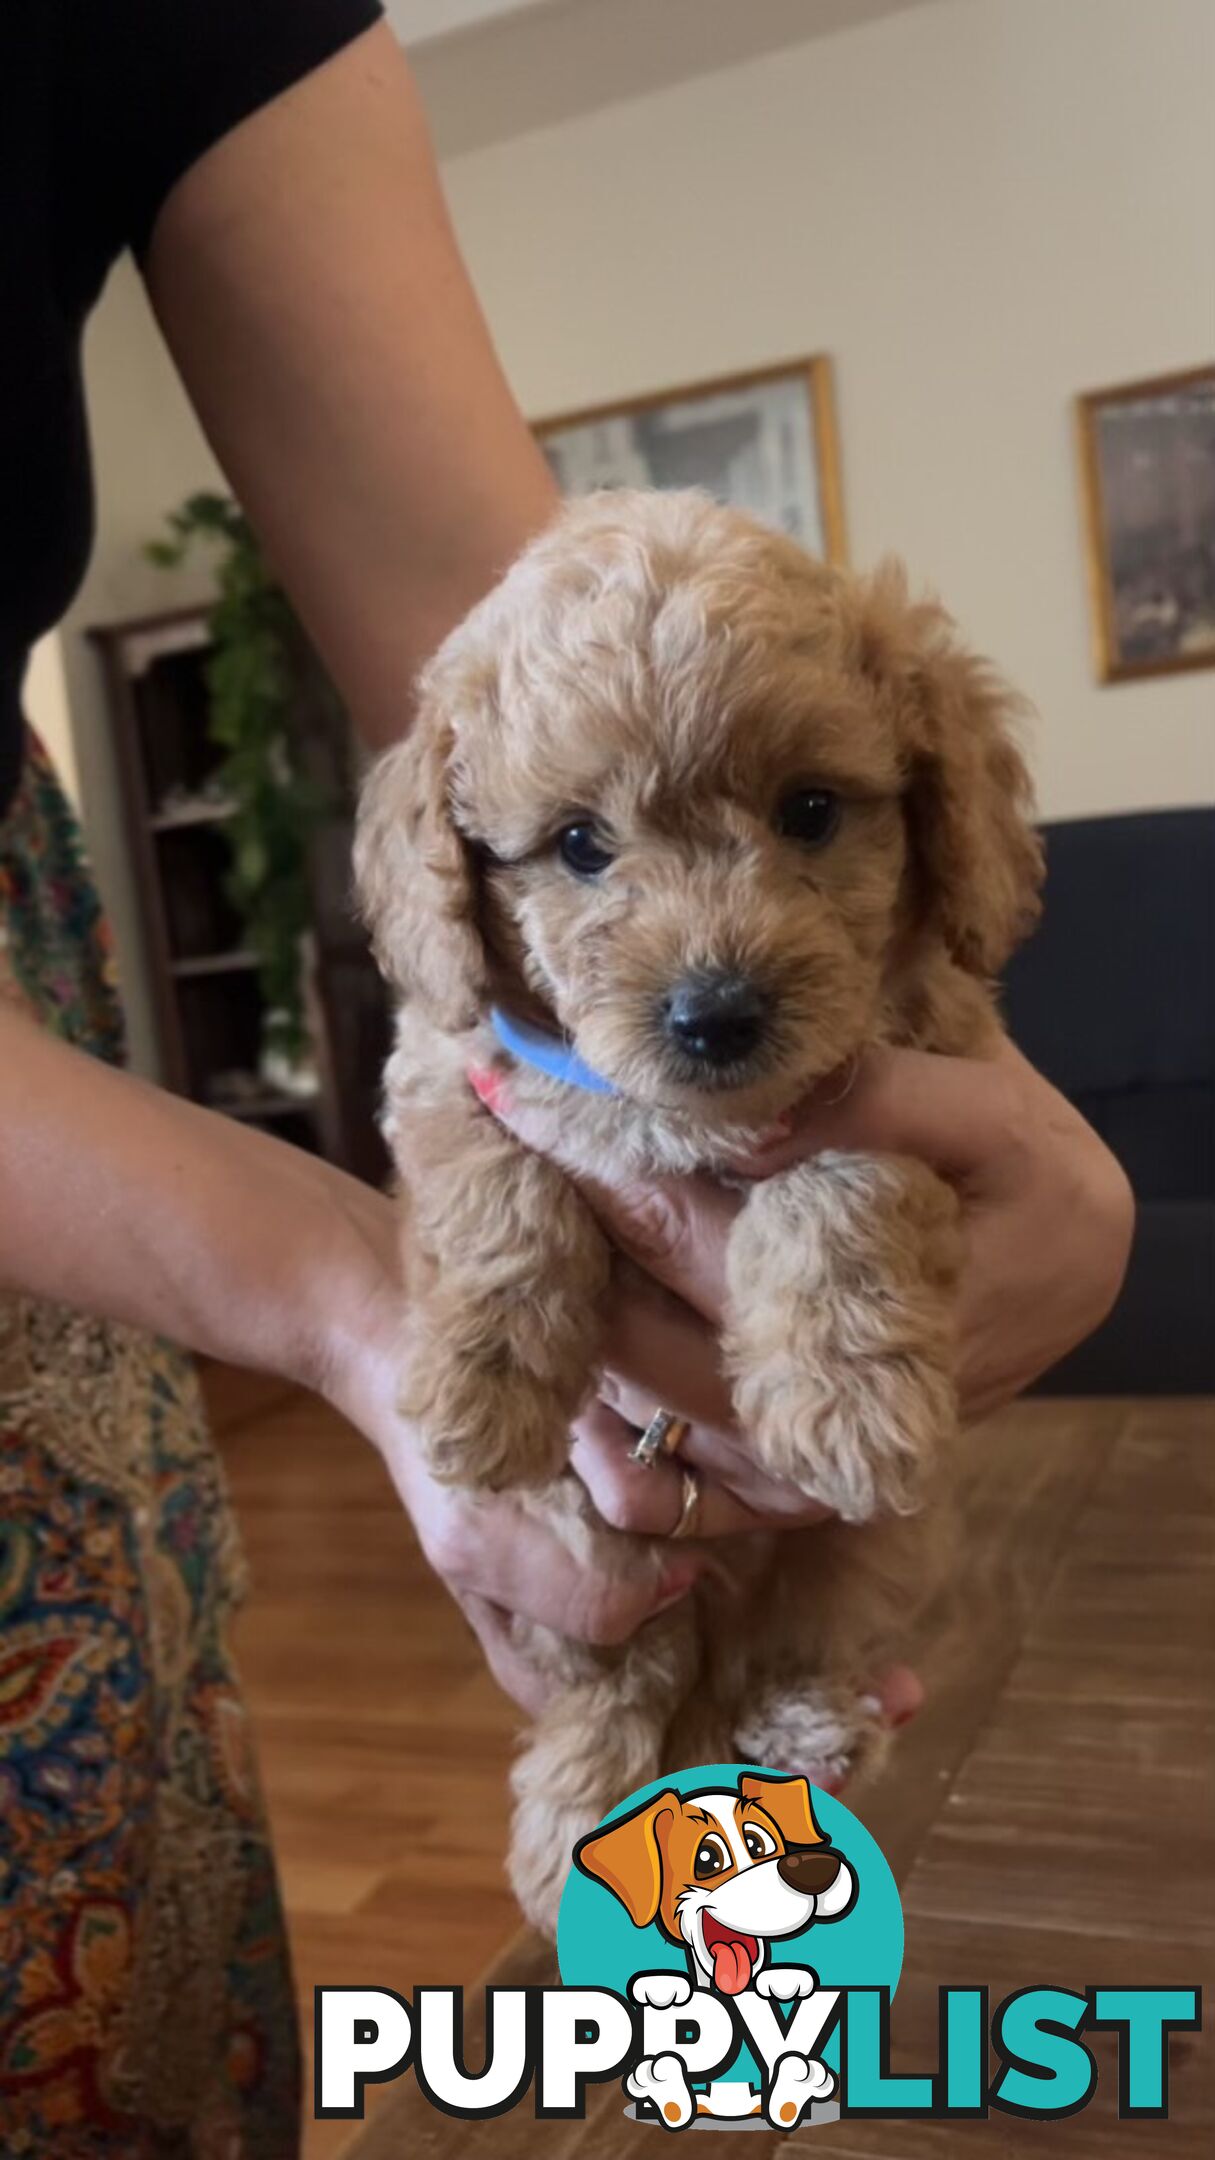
<point x="627" y="1859"/>
<point x="414" y="875"/>
<point x="787" y="1801"/>
<point x="977" y="858"/>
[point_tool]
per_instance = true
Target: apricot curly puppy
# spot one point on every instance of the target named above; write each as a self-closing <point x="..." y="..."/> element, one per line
<point x="719" y="816"/>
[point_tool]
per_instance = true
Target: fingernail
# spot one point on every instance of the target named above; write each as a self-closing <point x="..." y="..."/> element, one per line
<point x="674" y="1585"/>
<point x="779" y="1129"/>
<point x="489" y="1087"/>
<point x="755" y="1161"/>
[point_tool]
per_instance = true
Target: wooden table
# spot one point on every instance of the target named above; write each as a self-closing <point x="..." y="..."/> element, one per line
<point x="1051" y="1815"/>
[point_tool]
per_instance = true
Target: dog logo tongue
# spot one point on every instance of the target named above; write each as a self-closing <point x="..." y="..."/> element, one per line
<point x="734" y="1957"/>
<point x="731" y="1967"/>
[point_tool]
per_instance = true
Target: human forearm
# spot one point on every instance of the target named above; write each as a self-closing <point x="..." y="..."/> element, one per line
<point x="141" y="1207"/>
<point x="309" y="284"/>
<point x="131" y="1203"/>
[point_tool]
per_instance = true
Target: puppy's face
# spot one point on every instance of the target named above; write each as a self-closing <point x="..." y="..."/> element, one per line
<point x="676" y="782"/>
<point x="696" y="867"/>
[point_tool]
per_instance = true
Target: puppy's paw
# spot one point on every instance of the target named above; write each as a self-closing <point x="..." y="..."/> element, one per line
<point x="840" y="1335"/>
<point x="860" y="1436"/>
<point x="829" y="1734"/>
<point x="484" y="1422"/>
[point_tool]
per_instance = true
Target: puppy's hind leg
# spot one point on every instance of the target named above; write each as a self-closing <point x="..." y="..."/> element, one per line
<point x="839" y="1603"/>
<point x="596" y="1742"/>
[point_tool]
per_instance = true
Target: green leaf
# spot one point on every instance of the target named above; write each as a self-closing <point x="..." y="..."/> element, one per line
<point x="251" y="685"/>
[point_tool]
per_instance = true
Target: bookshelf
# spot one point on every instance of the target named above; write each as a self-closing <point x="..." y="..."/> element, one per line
<point x="206" y="994"/>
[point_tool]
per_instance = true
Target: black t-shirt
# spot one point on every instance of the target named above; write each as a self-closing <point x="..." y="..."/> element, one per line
<point x="103" y="105"/>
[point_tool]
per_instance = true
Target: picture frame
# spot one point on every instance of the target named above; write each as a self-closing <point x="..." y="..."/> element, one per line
<point x="1147" y="468"/>
<point x="764" y="441"/>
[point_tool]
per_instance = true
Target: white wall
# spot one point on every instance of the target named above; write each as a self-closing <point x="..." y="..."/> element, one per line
<point x="45" y="699"/>
<point x="414" y="20"/>
<point x="149" y="454"/>
<point x="978" y="207"/>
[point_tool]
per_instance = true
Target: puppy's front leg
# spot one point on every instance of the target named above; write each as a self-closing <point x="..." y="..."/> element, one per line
<point x="506" y="1266"/>
<point x="841" y="1274"/>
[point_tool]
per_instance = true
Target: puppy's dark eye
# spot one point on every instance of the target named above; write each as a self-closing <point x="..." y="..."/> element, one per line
<point x="710" y="1859"/>
<point x="809" y="816"/>
<point x="759" y="1842"/>
<point x="582" y="849"/>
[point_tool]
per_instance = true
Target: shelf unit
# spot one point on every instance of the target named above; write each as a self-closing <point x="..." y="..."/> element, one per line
<point x="206" y="995"/>
<point x="186" y="818"/>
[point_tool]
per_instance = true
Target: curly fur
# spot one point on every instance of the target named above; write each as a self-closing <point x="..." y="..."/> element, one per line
<point x="669" y="668"/>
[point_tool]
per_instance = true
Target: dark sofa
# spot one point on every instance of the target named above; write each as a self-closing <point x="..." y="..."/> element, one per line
<point x="1114" y="1000"/>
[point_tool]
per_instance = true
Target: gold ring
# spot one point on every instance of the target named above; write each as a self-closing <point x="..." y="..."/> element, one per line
<point x="689" y="1507"/>
<point x="664" y="1435"/>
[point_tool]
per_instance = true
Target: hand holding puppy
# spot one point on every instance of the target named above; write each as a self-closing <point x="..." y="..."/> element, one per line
<point x="1047" y="1217"/>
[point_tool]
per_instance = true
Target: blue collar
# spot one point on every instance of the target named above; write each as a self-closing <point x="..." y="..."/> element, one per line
<point x="546" y="1053"/>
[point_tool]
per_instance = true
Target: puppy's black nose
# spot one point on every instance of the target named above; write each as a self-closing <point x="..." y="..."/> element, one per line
<point x="716" y="1018"/>
<point x="810" y="1870"/>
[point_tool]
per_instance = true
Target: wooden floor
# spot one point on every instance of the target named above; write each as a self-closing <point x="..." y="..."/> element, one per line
<point x="1049" y="1815"/>
<point x="384" y="1745"/>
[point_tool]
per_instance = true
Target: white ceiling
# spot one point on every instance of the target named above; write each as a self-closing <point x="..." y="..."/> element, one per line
<point x="415" y="21"/>
<point x="492" y="69"/>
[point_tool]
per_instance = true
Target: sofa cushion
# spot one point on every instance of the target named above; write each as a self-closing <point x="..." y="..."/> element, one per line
<point x="1114" y="1000"/>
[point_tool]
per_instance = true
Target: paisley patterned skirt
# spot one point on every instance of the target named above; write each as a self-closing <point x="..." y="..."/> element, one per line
<point x="146" y="2010"/>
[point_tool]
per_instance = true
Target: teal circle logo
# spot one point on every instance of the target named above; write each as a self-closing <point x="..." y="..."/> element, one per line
<point x="722" y="1872"/>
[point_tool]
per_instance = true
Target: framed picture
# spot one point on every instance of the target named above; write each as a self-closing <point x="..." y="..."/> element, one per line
<point x="1147" y="460"/>
<point x="765" y="442"/>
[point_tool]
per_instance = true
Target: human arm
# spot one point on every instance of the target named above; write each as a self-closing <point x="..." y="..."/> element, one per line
<point x="307" y="281"/>
<point x="306" y="278"/>
<point x="131" y="1203"/>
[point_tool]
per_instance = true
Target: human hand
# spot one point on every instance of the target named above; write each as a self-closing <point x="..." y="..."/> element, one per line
<point x="1047" y="1217"/>
<point x="1047" y="1211"/>
<point x="497" y="1560"/>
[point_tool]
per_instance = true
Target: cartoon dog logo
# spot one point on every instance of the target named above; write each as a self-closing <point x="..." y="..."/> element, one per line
<point x="724" y="1874"/>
